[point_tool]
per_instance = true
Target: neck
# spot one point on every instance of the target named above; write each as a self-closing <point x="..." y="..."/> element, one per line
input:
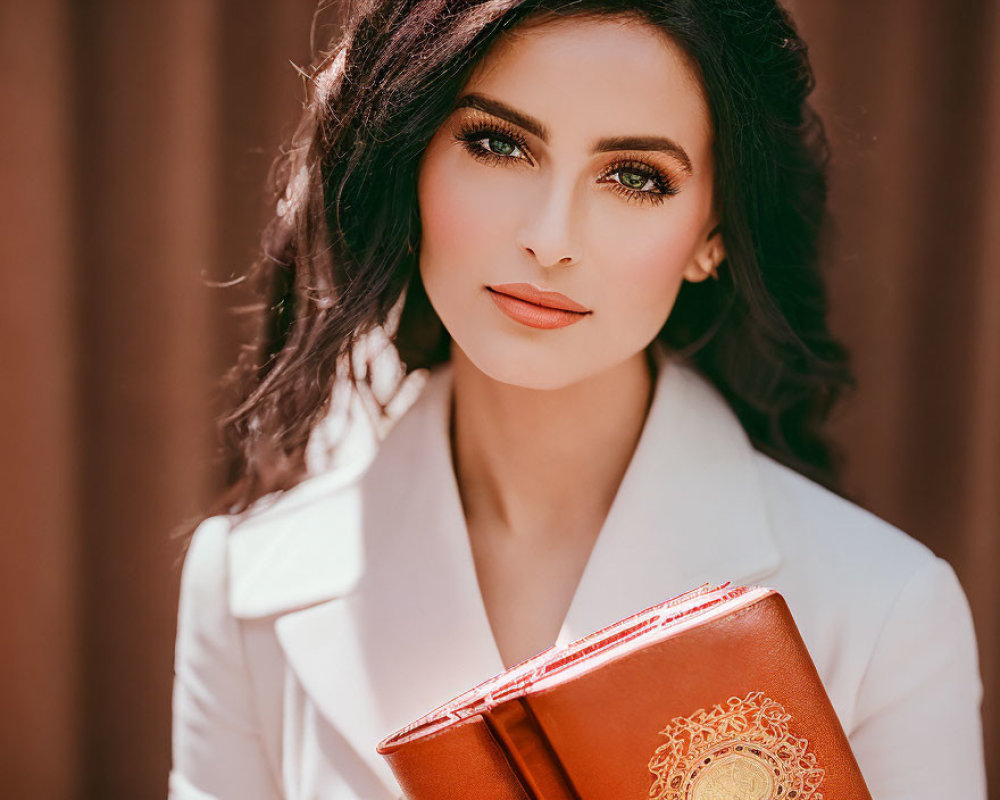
<point x="536" y="462"/>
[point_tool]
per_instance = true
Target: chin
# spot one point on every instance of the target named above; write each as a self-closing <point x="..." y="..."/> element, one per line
<point x="530" y="365"/>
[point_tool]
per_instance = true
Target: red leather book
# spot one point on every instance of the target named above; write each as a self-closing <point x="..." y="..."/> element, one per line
<point x="710" y="695"/>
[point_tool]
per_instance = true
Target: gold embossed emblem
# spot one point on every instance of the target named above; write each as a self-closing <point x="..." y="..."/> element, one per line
<point x="740" y="750"/>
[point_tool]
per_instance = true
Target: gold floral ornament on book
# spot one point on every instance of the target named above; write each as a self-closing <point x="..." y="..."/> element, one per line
<point x="741" y="751"/>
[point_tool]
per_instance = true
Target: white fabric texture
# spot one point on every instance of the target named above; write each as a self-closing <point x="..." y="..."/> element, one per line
<point x="331" y="615"/>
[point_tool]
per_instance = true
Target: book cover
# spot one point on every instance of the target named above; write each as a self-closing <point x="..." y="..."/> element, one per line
<point x="710" y="695"/>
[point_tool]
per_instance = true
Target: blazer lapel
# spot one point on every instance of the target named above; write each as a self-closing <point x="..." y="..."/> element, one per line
<point x="689" y="510"/>
<point x="409" y="630"/>
<point x="413" y="631"/>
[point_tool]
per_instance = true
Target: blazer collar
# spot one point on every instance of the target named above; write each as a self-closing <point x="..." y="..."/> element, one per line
<point x="397" y="623"/>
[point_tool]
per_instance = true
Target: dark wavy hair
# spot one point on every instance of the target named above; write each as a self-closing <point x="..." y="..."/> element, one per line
<point x="340" y="255"/>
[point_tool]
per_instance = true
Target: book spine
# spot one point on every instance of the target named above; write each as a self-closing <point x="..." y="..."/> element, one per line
<point x="529" y="751"/>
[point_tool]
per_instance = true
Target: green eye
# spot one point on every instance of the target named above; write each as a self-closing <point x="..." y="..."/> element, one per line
<point x="634" y="180"/>
<point x="630" y="180"/>
<point x="490" y="144"/>
<point x="504" y="148"/>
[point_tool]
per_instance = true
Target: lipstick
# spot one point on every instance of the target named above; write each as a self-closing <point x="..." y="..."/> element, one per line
<point x="535" y="307"/>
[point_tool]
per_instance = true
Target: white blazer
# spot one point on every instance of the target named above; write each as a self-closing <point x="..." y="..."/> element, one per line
<point x="349" y="606"/>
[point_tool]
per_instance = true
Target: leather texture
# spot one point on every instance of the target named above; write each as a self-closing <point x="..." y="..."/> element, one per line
<point x="592" y="736"/>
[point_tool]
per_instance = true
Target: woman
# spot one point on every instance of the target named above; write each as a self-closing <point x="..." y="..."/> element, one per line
<point x="590" y="231"/>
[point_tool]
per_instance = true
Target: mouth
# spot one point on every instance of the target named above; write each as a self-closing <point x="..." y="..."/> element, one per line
<point x="539" y="297"/>
<point x="534" y="314"/>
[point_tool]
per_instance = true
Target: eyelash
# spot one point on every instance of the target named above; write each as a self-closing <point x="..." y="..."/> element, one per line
<point x="470" y="134"/>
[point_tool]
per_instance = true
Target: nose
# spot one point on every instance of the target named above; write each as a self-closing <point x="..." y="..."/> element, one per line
<point x="547" y="235"/>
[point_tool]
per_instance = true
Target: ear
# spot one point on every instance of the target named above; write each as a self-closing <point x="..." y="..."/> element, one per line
<point x="707" y="258"/>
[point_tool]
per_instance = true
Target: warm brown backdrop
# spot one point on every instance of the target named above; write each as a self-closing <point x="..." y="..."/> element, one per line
<point x="135" y="142"/>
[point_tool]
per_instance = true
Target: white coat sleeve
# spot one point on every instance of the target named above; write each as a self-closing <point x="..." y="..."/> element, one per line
<point x="918" y="726"/>
<point x="217" y="747"/>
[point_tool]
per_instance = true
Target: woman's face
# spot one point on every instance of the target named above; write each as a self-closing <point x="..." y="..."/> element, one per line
<point x="533" y="180"/>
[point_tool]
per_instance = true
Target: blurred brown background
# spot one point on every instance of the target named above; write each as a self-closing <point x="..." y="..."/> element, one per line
<point x="135" y="142"/>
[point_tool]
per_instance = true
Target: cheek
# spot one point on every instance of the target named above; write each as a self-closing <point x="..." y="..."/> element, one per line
<point x="456" y="220"/>
<point x="443" y="215"/>
<point x="649" y="264"/>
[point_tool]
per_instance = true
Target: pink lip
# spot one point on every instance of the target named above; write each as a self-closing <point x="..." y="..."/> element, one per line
<point x="532" y="294"/>
<point x="532" y="314"/>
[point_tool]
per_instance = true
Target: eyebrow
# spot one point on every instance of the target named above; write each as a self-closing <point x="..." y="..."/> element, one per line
<point x="539" y="129"/>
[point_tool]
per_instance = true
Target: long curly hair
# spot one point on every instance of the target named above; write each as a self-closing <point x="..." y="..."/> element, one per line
<point x="339" y="257"/>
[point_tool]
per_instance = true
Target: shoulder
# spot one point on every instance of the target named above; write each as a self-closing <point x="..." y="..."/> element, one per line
<point x="302" y="546"/>
<point x="207" y="638"/>
<point x="844" y="549"/>
<point x="867" y="596"/>
<point x="820" y="528"/>
<point x="204" y="576"/>
<point x="289" y="550"/>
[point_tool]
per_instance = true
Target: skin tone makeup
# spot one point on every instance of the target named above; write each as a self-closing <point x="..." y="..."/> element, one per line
<point x="563" y="203"/>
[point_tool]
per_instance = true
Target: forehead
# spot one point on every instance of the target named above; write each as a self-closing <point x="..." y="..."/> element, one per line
<point x="587" y="77"/>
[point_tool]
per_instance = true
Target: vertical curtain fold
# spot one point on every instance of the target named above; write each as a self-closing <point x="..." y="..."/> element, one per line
<point x="40" y="731"/>
<point x="146" y="81"/>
